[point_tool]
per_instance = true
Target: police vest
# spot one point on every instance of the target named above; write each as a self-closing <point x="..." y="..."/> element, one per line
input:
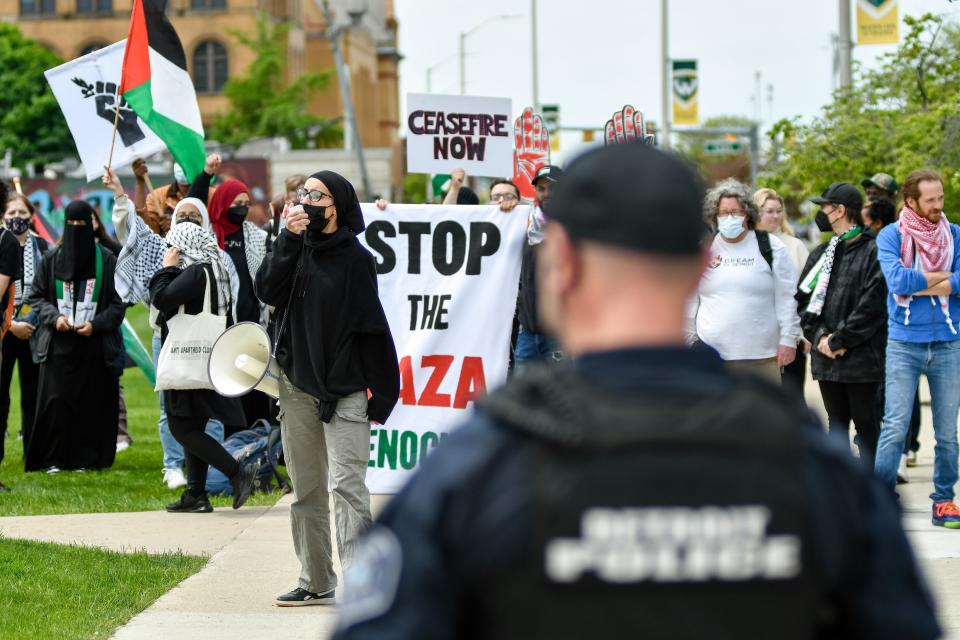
<point x="656" y="518"/>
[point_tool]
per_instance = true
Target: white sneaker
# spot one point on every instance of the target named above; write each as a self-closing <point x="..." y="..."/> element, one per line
<point x="902" y="477"/>
<point x="174" y="478"/>
<point x="123" y="445"/>
<point x="911" y="458"/>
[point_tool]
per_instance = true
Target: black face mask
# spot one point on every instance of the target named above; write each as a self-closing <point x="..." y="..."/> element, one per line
<point x="822" y="220"/>
<point x="237" y="214"/>
<point x="318" y="221"/>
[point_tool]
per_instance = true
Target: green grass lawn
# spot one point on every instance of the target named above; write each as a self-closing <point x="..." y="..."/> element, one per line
<point x="134" y="483"/>
<point x="57" y="591"/>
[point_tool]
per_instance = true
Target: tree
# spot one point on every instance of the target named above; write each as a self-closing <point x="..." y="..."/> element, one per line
<point x="32" y="127"/>
<point x="263" y="104"/>
<point x="716" y="167"/>
<point x="905" y="115"/>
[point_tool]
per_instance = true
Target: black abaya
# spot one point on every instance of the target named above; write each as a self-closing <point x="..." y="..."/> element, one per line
<point x="78" y="392"/>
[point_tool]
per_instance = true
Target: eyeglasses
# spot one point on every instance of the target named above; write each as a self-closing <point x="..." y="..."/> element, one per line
<point x="314" y="195"/>
<point x="732" y="212"/>
<point x="497" y="197"/>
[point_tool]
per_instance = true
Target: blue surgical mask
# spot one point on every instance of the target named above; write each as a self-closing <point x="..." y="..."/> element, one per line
<point x="730" y="226"/>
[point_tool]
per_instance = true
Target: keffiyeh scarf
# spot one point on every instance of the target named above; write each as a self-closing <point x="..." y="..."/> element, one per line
<point x="199" y="247"/>
<point x="254" y="247"/>
<point x="31" y="258"/>
<point x="818" y="280"/>
<point x="140" y="258"/>
<point x="929" y="245"/>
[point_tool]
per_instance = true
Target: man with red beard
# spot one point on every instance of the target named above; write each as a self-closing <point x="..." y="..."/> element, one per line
<point x="921" y="264"/>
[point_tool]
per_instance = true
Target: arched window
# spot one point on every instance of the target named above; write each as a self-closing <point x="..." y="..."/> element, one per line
<point x="90" y="48"/>
<point x="209" y="67"/>
<point x="37" y="8"/>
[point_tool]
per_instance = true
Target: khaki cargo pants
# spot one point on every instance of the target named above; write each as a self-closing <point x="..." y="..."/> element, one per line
<point x="313" y="451"/>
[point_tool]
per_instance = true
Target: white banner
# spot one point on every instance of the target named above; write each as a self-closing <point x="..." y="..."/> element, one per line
<point x="448" y="279"/>
<point x="86" y="89"/>
<point x="469" y="132"/>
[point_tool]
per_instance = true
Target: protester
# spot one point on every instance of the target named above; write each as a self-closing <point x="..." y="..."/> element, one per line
<point x="156" y="207"/>
<point x="459" y="193"/>
<point x="773" y="219"/>
<point x="246" y="245"/>
<point x="881" y="185"/>
<point x="533" y="343"/>
<point x="193" y="277"/>
<point x="921" y="263"/>
<point x="17" y="219"/>
<point x="10" y="272"/>
<point x="745" y="307"/>
<point x="644" y="490"/>
<point x="505" y="194"/>
<point x="333" y="345"/>
<point x="843" y="296"/>
<point x="77" y="345"/>
<point x="140" y="259"/>
<point x="878" y="213"/>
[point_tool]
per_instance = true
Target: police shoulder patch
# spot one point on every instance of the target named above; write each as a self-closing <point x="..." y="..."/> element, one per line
<point x="371" y="581"/>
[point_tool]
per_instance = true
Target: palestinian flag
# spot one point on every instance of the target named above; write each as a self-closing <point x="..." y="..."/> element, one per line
<point x="157" y="86"/>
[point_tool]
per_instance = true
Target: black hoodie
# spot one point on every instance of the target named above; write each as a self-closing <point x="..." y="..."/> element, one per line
<point x="336" y="339"/>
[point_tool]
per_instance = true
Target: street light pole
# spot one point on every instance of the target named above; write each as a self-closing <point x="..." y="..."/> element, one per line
<point x="533" y="56"/>
<point x="463" y="51"/>
<point x="845" y="44"/>
<point x="665" y="72"/>
<point x="334" y="34"/>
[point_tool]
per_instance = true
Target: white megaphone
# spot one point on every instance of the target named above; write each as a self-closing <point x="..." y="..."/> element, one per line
<point x="242" y="360"/>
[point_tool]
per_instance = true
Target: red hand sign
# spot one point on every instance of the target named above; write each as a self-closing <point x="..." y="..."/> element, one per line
<point x="626" y="125"/>
<point x="532" y="150"/>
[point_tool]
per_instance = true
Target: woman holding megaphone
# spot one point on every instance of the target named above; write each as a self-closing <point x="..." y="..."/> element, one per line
<point x="338" y="372"/>
<point x="192" y="294"/>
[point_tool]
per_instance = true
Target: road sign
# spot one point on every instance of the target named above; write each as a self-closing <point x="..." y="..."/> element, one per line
<point x="551" y="118"/>
<point x="722" y="147"/>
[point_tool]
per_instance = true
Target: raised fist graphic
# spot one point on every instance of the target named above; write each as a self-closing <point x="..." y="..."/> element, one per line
<point x="532" y="150"/>
<point x="626" y="125"/>
<point x="105" y="96"/>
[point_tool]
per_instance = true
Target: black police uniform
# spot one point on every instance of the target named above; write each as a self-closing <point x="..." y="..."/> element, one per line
<point x="643" y="491"/>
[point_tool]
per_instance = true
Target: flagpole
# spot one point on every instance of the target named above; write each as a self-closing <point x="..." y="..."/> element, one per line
<point x="116" y="121"/>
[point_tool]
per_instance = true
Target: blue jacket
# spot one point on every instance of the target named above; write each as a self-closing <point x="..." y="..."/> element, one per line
<point x="927" y="322"/>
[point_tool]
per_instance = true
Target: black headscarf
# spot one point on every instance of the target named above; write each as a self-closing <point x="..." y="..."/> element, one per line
<point x="75" y="260"/>
<point x="344" y="199"/>
<point x="466" y="195"/>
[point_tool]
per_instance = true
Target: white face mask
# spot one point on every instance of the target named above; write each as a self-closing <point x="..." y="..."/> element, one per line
<point x="730" y="226"/>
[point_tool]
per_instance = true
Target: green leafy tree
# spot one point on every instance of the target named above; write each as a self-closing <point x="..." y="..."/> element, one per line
<point x="715" y="167"/>
<point x="899" y="117"/>
<point x="32" y="126"/>
<point x="263" y="104"/>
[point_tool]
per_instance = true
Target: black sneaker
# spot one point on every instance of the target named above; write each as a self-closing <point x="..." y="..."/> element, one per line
<point x="243" y="481"/>
<point x="189" y="503"/>
<point x="301" y="598"/>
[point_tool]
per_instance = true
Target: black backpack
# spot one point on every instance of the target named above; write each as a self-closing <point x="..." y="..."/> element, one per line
<point x="763" y="241"/>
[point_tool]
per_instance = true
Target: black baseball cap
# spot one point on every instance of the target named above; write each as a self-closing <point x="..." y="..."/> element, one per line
<point x="841" y="193"/>
<point x="632" y="196"/>
<point x="550" y="172"/>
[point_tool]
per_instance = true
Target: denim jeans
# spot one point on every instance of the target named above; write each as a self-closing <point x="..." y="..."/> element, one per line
<point x="532" y="347"/>
<point x="173" y="450"/>
<point x="906" y="361"/>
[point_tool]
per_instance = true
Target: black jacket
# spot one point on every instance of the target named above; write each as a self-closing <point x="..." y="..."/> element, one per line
<point x="336" y="340"/>
<point x="854" y="312"/>
<point x="170" y="288"/>
<point x="527" y="313"/>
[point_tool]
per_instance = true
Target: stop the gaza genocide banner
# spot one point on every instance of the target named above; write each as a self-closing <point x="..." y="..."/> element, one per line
<point x="468" y="132"/>
<point x="877" y="22"/>
<point x="686" y="95"/>
<point x="448" y="279"/>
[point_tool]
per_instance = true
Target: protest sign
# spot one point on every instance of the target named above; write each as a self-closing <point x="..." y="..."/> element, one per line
<point x="468" y="132"/>
<point x="448" y="279"/>
<point x="86" y="89"/>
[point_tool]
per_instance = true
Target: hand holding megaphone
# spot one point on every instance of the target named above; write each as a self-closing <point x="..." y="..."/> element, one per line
<point x="297" y="219"/>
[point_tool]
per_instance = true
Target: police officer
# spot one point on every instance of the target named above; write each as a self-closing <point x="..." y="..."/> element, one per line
<point x="640" y="488"/>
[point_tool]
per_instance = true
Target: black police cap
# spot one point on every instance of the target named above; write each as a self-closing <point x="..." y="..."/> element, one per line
<point x="632" y="196"/>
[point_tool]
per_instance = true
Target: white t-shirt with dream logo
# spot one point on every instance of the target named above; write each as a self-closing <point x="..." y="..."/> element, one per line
<point x="745" y="309"/>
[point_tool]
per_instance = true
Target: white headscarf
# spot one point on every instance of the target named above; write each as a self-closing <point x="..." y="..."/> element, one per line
<point x="202" y="208"/>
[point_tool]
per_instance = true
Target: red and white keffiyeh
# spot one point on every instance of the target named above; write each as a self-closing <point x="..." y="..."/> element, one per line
<point x="929" y="245"/>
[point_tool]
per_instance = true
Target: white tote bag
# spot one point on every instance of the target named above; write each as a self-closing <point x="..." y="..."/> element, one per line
<point x="183" y="359"/>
